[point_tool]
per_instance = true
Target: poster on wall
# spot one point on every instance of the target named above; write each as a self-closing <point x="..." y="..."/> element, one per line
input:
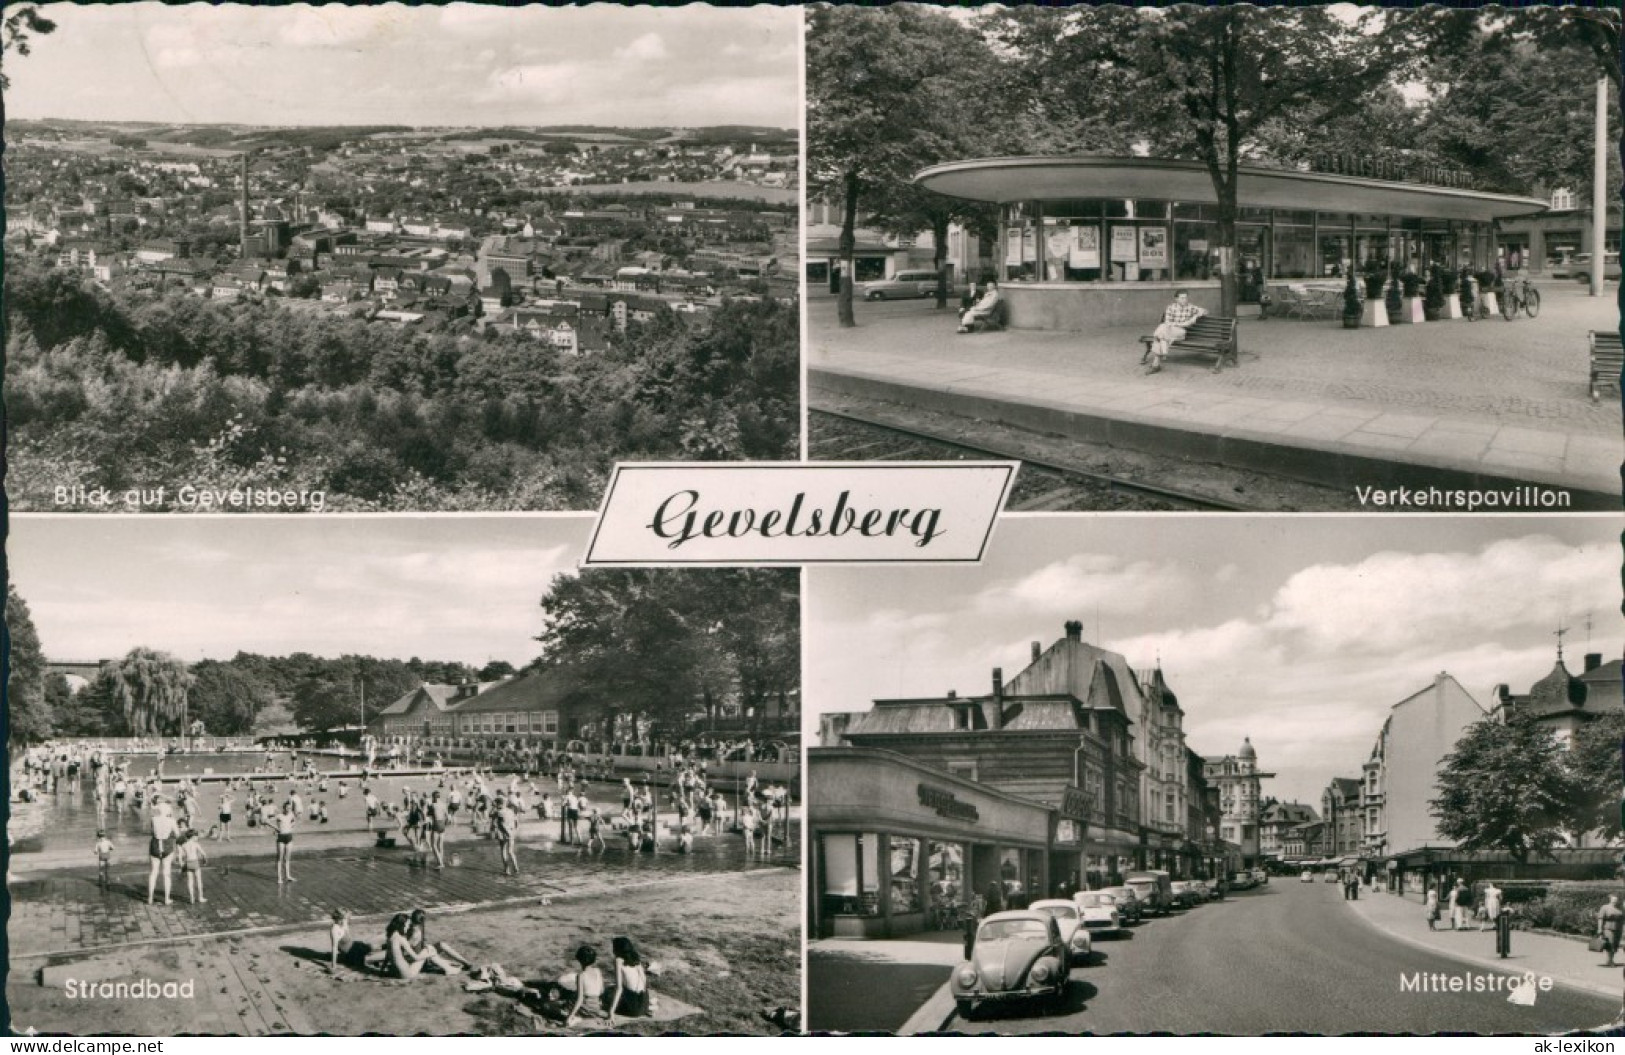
<point x="1058" y="241"/>
<point x="1153" y="247"/>
<point x="1124" y="246"/>
<point x="1085" y="248"/>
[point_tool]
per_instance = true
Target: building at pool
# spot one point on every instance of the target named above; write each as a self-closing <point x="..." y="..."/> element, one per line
<point x="1100" y="241"/>
<point x="1070" y="775"/>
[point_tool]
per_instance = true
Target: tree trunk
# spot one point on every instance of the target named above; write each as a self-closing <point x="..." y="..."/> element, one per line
<point x="939" y="238"/>
<point x="1227" y="249"/>
<point x="848" y="248"/>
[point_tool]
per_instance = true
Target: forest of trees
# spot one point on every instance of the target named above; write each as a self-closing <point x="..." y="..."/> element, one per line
<point x="149" y="390"/>
<point x="1504" y="95"/>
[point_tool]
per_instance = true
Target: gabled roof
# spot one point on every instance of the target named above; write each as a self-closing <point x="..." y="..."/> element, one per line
<point x="436" y="696"/>
<point x="544" y="690"/>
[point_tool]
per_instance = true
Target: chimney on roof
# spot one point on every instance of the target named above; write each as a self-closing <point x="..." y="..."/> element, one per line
<point x="467" y="689"/>
<point x="995" y="713"/>
<point x="243" y="230"/>
<point x="953" y="694"/>
<point x="1593" y="660"/>
<point x="1074" y="630"/>
<point x="1037" y="651"/>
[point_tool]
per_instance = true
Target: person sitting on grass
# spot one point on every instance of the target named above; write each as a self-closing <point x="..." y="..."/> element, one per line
<point x="629" y="993"/>
<point x="417" y="932"/>
<point x="404" y="962"/>
<point x="351" y="952"/>
<point x="578" y="993"/>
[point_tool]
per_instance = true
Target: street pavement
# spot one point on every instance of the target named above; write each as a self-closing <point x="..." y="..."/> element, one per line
<point x="876" y="986"/>
<point x="1286" y="957"/>
<point x="1507" y="400"/>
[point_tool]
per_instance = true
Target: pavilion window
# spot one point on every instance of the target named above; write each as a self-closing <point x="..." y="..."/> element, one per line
<point x="1195" y="249"/>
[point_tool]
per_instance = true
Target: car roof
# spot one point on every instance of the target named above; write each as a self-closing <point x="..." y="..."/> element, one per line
<point x="1055" y="901"/>
<point x="1016" y="914"/>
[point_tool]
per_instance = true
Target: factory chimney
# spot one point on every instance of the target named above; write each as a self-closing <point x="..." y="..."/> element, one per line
<point x="242" y="245"/>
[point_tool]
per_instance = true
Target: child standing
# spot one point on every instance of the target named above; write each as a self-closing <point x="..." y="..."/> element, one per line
<point x="104" y="860"/>
<point x="192" y="861"/>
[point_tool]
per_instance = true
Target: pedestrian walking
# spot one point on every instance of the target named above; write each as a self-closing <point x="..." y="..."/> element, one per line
<point x="1460" y="897"/>
<point x="1490" y="905"/>
<point x="1610" y="923"/>
<point x="1433" y="908"/>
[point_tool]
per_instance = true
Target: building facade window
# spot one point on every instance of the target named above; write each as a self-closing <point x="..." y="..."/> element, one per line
<point x="852" y="874"/>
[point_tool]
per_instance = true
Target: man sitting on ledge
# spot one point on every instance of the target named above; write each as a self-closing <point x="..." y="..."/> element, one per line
<point x="1178" y="315"/>
<point x="988" y="313"/>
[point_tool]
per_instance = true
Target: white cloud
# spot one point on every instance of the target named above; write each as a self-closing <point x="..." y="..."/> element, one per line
<point x="647" y="48"/>
<point x="1082" y="584"/>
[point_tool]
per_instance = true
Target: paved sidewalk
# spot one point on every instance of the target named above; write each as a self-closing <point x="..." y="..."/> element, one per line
<point x="873" y="985"/>
<point x="66" y="914"/>
<point x="1492" y="401"/>
<point x="1565" y="961"/>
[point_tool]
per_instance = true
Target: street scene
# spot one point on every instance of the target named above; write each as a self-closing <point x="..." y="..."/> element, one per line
<point x="259" y="797"/>
<point x="1372" y="274"/>
<point x="1339" y="777"/>
<point x="257" y="261"/>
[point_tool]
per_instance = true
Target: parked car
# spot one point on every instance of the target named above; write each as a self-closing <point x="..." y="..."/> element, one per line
<point x="1261" y="877"/>
<point x="903" y="285"/>
<point x="1153" y="888"/>
<point x="1184" y="894"/>
<point x="1014" y="956"/>
<point x="1331" y="877"/>
<point x="1241" y="880"/>
<point x="1129" y="906"/>
<point x="1306" y="876"/>
<point x="1099" y="912"/>
<point x="1068" y="916"/>
<point x="1580" y="267"/>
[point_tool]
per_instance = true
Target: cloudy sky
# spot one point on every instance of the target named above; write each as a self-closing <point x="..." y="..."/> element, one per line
<point x="466" y="589"/>
<point x="459" y="64"/>
<point x="1298" y="632"/>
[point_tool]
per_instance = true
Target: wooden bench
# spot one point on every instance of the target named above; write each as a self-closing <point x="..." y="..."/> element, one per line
<point x="1213" y="335"/>
<point x="1607" y="358"/>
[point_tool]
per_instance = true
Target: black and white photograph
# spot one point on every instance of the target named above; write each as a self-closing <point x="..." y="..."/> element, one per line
<point x="256" y="761"/>
<point x="1231" y="257"/>
<point x="268" y="258"/>
<point x="1246" y="775"/>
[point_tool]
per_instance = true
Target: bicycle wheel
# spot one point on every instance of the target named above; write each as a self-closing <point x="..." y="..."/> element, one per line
<point x="1509" y="305"/>
<point x="1531" y="302"/>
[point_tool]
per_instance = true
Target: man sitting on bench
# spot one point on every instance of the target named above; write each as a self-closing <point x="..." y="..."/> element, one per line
<point x="1178" y="315"/>
<point x="986" y="313"/>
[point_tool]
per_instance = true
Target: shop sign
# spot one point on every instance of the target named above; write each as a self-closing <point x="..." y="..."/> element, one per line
<point x="1076" y="804"/>
<point x="947" y="805"/>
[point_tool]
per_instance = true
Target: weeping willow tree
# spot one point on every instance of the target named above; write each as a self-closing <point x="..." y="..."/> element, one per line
<point x="149" y="688"/>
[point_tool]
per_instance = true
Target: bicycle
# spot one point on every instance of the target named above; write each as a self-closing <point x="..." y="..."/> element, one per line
<point x="1519" y="294"/>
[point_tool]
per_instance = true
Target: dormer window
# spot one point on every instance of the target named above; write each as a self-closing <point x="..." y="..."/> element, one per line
<point x="1562" y="198"/>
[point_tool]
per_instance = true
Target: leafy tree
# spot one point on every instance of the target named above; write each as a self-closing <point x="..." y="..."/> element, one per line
<point x="886" y="95"/>
<point x="1210" y="80"/>
<point x="1594" y="759"/>
<point x="20" y="24"/>
<point x="497" y="670"/>
<point x="226" y="699"/>
<point x="1505" y="786"/>
<point x="328" y="701"/>
<point x="28" y="711"/>
<point x="149" y="690"/>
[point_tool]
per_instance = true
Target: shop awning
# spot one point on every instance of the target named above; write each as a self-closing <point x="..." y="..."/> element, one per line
<point x="1015" y="179"/>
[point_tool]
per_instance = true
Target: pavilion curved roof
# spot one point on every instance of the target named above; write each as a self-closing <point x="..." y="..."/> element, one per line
<point x="1015" y="179"/>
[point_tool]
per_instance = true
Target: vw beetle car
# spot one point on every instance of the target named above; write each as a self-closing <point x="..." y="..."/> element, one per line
<point x="1015" y="956"/>
<point x="1129" y="906"/>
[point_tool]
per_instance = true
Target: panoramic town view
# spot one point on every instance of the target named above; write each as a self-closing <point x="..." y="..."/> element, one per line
<point x="1221" y="258"/>
<point x="408" y="295"/>
<point x="343" y="776"/>
<point x="1288" y="787"/>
